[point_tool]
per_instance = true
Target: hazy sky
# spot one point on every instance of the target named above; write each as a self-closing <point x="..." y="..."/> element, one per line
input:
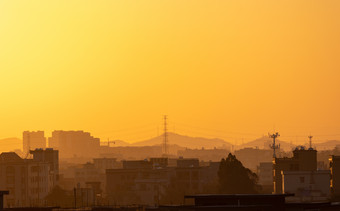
<point x="228" y="69"/>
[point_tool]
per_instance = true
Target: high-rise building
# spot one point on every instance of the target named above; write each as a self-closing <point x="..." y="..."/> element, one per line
<point x="74" y="144"/>
<point x="33" y="140"/>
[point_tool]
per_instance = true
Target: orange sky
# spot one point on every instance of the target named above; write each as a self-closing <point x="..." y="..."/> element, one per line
<point x="229" y="69"/>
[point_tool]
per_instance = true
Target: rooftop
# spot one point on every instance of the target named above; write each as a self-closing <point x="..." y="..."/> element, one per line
<point x="233" y="196"/>
<point x="10" y="157"/>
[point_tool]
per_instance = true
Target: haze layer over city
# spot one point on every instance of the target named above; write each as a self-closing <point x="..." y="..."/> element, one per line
<point x="169" y="105"/>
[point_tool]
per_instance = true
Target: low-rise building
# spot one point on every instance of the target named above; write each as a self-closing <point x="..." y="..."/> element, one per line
<point x="334" y="165"/>
<point x="106" y="163"/>
<point x="265" y="175"/>
<point x="137" y="164"/>
<point x="28" y="180"/>
<point x="307" y="186"/>
<point x="252" y="157"/>
<point x="302" y="160"/>
<point x="148" y="182"/>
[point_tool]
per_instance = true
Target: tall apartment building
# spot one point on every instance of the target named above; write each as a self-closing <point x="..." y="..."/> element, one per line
<point x="74" y="144"/>
<point x="28" y="180"/>
<point x="334" y="165"/>
<point x="33" y="140"/>
<point x="302" y="160"/>
<point x="51" y="157"/>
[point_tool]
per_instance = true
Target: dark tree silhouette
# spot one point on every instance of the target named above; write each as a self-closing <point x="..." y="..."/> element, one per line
<point x="234" y="178"/>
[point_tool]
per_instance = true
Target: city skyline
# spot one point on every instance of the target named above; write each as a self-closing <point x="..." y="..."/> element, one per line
<point x="169" y="105"/>
<point x="41" y="139"/>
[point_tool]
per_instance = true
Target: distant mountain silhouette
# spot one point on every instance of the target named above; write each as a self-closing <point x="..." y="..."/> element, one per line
<point x="327" y="145"/>
<point x="10" y="144"/>
<point x="264" y="142"/>
<point x="186" y="141"/>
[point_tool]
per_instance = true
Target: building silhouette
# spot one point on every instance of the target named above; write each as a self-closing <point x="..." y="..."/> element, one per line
<point x="334" y="164"/>
<point x="150" y="181"/>
<point x="302" y="160"/>
<point x="265" y="174"/>
<point x="307" y="186"/>
<point x="74" y="144"/>
<point x="28" y="180"/>
<point x="33" y="140"/>
<point x="51" y="157"/>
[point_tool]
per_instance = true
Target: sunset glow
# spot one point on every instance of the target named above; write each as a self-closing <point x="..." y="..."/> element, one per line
<point x="227" y="69"/>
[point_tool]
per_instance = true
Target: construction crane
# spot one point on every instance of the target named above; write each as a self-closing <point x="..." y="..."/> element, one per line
<point x="110" y="142"/>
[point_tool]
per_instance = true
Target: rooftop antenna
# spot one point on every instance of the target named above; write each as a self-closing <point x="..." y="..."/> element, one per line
<point x="165" y="137"/>
<point x="310" y="141"/>
<point x="274" y="146"/>
<point x="29" y="145"/>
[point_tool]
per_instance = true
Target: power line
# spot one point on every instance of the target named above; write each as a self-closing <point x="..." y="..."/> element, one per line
<point x="220" y="131"/>
<point x="151" y="125"/>
<point x="211" y="135"/>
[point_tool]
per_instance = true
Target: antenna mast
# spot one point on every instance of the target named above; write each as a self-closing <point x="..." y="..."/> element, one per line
<point x="28" y="145"/>
<point x="274" y="146"/>
<point x="165" y="138"/>
<point x="310" y="141"/>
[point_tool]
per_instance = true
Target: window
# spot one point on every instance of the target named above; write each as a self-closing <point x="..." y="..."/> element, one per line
<point x="302" y="179"/>
<point x="194" y="175"/>
<point x="34" y="168"/>
<point x="10" y="180"/>
<point x="142" y="187"/>
<point x="10" y="170"/>
<point x="194" y="186"/>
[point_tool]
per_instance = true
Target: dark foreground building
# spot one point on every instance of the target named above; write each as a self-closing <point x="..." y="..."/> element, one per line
<point x="263" y="202"/>
<point x="251" y="202"/>
<point x="334" y="164"/>
<point x="237" y="202"/>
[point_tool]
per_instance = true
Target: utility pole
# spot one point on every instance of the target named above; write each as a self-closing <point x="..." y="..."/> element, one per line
<point x="310" y="141"/>
<point x="38" y="184"/>
<point x="75" y="197"/>
<point x="274" y="146"/>
<point x="165" y="138"/>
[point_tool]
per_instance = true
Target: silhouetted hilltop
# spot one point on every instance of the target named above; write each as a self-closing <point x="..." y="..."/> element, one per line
<point x="186" y="141"/>
<point x="264" y="142"/>
<point x="327" y="145"/>
<point x="10" y="144"/>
